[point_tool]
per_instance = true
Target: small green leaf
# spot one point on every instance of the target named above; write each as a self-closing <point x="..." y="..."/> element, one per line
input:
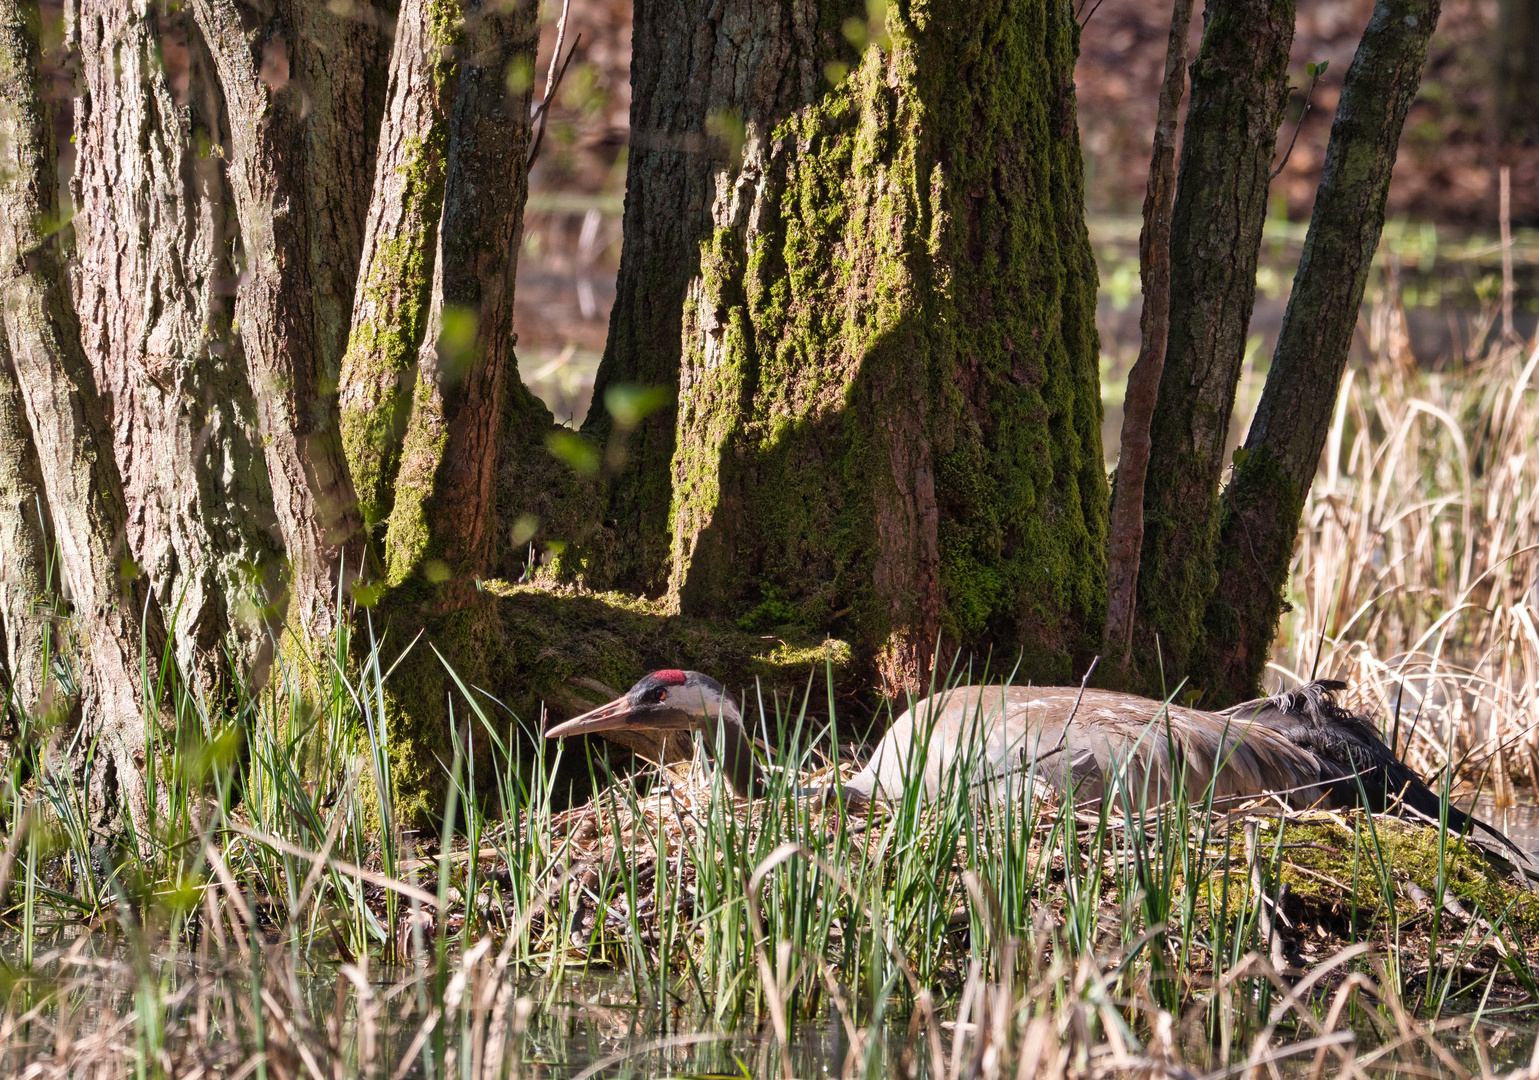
<point x="631" y="403"/>
<point x="457" y="340"/>
<point x="520" y="75"/>
<point x="524" y="529"/>
<point x="367" y="593"/>
<point x="436" y="571"/>
<point x="574" y="450"/>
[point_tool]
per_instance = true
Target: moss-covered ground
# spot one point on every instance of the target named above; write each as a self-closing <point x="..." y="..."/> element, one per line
<point x="547" y="654"/>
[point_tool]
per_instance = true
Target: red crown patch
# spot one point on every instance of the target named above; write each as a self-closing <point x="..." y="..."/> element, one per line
<point x="671" y="676"/>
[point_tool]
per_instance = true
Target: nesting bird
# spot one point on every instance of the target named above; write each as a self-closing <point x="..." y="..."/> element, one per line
<point x="1085" y="744"/>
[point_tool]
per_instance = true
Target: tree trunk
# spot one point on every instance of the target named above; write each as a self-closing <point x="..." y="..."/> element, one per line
<point x="152" y="287"/>
<point x="1239" y="89"/>
<point x="431" y="393"/>
<point x="1127" y="510"/>
<point x="1265" y="498"/>
<point x="1517" y="71"/>
<point x="390" y="308"/>
<point x="73" y="436"/>
<point x="298" y="113"/>
<point x="696" y="73"/>
<point x="232" y="150"/>
<point x="443" y="523"/>
<point x="24" y="530"/>
<point x="889" y="419"/>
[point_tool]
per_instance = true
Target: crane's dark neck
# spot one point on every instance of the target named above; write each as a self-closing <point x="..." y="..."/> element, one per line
<point x="727" y="741"/>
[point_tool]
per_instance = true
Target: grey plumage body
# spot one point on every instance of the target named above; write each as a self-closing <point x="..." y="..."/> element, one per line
<point x="1084" y="744"/>
<point x="1091" y="743"/>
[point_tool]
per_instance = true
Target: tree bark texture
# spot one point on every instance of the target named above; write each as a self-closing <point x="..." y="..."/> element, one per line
<point x="25" y="532"/>
<point x="1265" y="497"/>
<point x="68" y="418"/>
<point x="1239" y="87"/>
<point x="390" y="308"/>
<point x="699" y="70"/>
<point x="889" y="417"/>
<point x="25" y="535"/>
<point x="443" y="523"/>
<point x="298" y="110"/>
<point x="1125" y="540"/>
<point x="152" y="282"/>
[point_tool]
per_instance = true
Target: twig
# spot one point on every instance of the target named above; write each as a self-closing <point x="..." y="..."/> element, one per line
<point x="367" y="876"/>
<point x="1505" y="215"/>
<point x="1315" y="71"/>
<point x="667" y="1043"/>
<point x="553" y="79"/>
<point x="1263" y="916"/>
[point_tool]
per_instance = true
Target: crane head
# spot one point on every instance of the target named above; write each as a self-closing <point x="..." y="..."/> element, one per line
<point x="668" y="700"/>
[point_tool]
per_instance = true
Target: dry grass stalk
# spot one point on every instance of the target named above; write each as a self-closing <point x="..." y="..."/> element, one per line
<point x="1417" y="573"/>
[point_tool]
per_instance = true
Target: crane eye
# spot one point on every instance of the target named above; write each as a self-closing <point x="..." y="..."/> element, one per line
<point x="659" y="694"/>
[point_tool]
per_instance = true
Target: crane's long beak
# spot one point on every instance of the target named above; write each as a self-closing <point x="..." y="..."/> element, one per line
<point x="617" y="714"/>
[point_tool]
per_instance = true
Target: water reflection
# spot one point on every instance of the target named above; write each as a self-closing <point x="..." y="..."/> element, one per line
<point x="1520" y="823"/>
<point x="82" y="999"/>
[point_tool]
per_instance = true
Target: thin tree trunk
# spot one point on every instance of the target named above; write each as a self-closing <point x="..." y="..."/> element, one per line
<point x="25" y="608"/>
<point x="1127" y="510"/>
<point x="692" y="68"/>
<point x="395" y="277"/>
<point x="1265" y="498"/>
<point x="24" y="526"/>
<point x="444" y="521"/>
<point x="74" y="440"/>
<point x="298" y="114"/>
<point x="152" y="290"/>
<point x="1239" y="89"/>
<point x="889" y="418"/>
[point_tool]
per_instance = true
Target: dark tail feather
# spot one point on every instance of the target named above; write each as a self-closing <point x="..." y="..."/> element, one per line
<point x="1350" y="744"/>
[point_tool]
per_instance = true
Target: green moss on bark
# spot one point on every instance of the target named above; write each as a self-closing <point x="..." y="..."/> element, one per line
<point x="1331" y="865"/>
<point x="382" y="348"/>
<point x="535" y="648"/>
<point x="890" y="408"/>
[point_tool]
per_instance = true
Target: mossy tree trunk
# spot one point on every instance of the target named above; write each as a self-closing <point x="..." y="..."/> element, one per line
<point x="431" y="394"/>
<point x="1265" y="497"/>
<point x="1239" y="87"/>
<point x="889" y="411"/>
<point x="699" y="70"/>
<point x="173" y="422"/>
<point x="431" y="353"/>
